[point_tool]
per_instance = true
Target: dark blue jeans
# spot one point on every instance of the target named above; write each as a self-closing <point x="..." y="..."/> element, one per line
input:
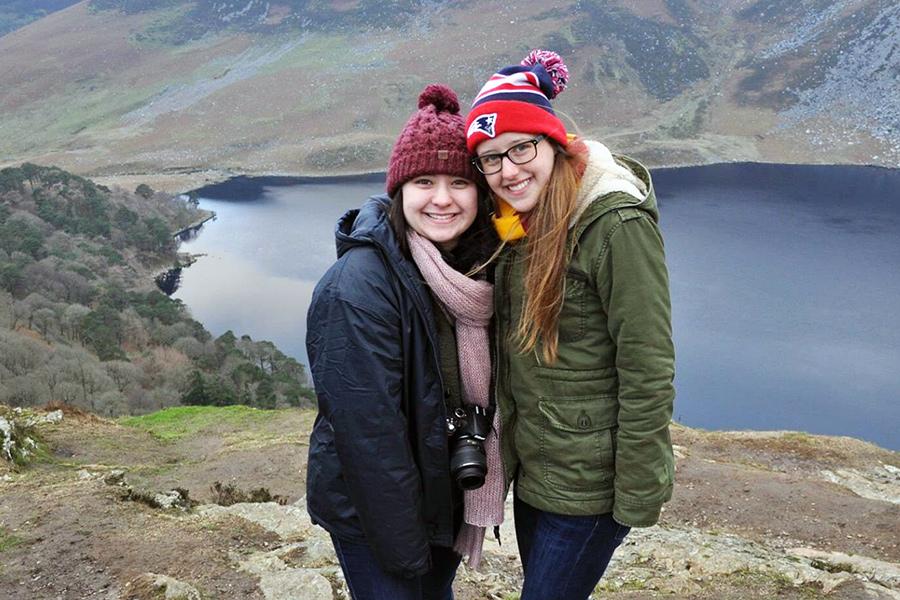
<point x="367" y="581"/>
<point x="564" y="556"/>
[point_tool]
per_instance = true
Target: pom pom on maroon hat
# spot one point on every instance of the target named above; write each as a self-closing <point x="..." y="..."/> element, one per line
<point x="517" y="98"/>
<point x="433" y="141"/>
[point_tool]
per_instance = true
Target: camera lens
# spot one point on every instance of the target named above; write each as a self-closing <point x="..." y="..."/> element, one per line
<point x="468" y="463"/>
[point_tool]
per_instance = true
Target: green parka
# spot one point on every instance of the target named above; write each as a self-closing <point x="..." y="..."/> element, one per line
<point x="590" y="433"/>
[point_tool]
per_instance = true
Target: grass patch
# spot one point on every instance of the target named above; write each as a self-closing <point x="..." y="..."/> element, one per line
<point x="183" y="421"/>
<point x="53" y="121"/>
<point x="350" y="155"/>
<point x="8" y="540"/>
<point x="687" y="123"/>
<point x="329" y="53"/>
<point x="628" y="585"/>
<point x="832" y="567"/>
<point x="772" y="584"/>
<point x="168" y="28"/>
<point x="798" y="436"/>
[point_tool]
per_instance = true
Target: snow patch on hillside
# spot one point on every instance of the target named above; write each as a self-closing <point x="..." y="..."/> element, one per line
<point x="860" y="90"/>
<point x="814" y="24"/>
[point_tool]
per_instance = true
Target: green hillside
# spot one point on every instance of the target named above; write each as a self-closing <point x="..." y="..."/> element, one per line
<point x="81" y="320"/>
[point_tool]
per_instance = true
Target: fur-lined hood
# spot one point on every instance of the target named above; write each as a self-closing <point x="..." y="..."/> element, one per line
<point x="606" y="174"/>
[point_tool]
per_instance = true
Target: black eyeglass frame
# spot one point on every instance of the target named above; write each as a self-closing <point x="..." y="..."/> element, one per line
<point x="476" y="160"/>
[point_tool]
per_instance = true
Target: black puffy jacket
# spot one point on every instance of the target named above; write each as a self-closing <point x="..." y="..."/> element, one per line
<point x="378" y="459"/>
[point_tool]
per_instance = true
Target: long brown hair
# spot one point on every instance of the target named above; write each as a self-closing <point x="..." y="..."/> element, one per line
<point x="547" y="257"/>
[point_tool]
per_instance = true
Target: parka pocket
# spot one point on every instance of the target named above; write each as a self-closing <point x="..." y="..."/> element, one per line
<point x="573" y="314"/>
<point x="578" y="442"/>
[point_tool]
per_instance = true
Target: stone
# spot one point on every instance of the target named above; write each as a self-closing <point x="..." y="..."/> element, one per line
<point x="288" y="522"/>
<point x="279" y="581"/>
<point x="171" y="499"/>
<point x="877" y="571"/>
<point x="865" y="485"/>
<point x="295" y="583"/>
<point x="115" y="477"/>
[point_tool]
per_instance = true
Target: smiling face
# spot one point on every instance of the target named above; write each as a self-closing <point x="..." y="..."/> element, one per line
<point x="520" y="185"/>
<point x="440" y="208"/>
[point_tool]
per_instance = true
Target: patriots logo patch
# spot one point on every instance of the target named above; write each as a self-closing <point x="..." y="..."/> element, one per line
<point x="483" y="124"/>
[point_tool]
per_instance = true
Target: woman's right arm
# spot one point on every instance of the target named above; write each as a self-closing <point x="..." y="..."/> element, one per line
<point x="354" y="344"/>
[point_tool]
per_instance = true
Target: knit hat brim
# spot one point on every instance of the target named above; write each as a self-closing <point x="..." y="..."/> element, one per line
<point x="510" y="115"/>
<point x="428" y="161"/>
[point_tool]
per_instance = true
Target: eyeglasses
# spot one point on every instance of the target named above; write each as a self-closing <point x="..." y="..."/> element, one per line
<point x="521" y="153"/>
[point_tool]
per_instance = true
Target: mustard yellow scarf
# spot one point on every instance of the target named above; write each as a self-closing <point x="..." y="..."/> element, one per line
<point x="506" y="222"/>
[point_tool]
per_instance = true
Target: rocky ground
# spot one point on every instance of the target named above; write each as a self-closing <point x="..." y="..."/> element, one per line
<point x="755" y="515"/>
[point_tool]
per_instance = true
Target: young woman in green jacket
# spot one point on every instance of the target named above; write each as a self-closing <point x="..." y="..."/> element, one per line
<point x="585" y="355"/>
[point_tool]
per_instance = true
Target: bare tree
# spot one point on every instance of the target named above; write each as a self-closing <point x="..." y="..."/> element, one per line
<point x="124" y="374"/>
<point x="7" y="304"/>
<point x="20" y="355"/>
<point x="71" y="321"/>
<point x="44" y="320"/>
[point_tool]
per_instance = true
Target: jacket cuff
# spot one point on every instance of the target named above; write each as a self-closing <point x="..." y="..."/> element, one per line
<point x="639" y="514"/>
<point x="411" y="572"/>
<point x="645" y="516"/>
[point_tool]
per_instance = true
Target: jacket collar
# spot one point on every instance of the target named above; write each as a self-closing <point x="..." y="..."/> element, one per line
<point x="612" y="182"/>
<point x="369" y="226"/>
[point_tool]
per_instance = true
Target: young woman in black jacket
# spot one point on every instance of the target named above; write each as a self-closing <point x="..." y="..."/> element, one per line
<point x="397" y="343"/>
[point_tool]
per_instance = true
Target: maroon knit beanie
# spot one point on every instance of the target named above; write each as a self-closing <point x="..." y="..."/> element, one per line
<point x="433" y="141"/>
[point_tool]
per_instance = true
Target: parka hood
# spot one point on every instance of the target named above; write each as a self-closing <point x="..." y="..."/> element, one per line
<point x="613" y="181"/>
<point x="365" y="225"/>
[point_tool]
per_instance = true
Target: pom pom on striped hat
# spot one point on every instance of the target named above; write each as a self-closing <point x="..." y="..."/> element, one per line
<point x="555" y="67"/>
<point x="517" y="98"/>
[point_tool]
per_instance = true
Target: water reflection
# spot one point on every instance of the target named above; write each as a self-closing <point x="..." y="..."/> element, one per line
<point x="784" y="287"/>
<point x="264" y="254"/>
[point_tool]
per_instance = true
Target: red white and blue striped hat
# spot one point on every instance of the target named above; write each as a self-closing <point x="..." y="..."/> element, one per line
<point x="517" y="98"/>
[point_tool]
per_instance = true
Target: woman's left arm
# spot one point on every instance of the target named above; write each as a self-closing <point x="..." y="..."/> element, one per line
<point x="636" y="297"/>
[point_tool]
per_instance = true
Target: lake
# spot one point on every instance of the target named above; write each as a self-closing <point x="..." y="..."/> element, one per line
<point x="785" y="285"/>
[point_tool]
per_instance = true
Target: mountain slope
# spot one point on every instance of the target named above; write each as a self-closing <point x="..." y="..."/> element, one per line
<point x="111" y="87"/>
<point x="18" y="13"/>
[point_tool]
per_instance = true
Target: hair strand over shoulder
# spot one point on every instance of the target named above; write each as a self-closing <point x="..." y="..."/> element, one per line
<point x="548" y="252"/>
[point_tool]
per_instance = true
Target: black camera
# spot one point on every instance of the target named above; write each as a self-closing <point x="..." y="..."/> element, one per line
<point x="468" y="427"/>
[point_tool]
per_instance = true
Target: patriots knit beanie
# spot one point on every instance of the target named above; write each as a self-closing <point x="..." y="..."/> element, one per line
<point x="432" y="142"/>
<point x="517" y="98"/>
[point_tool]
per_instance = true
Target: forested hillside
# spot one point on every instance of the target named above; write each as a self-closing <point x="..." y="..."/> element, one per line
<point x="82" y="322"/>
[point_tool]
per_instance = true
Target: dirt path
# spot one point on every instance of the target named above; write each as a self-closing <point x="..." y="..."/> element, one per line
<point x="754" y="516"/>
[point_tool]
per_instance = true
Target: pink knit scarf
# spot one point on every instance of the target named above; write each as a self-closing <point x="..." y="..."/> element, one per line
<point x="470" y="302"/>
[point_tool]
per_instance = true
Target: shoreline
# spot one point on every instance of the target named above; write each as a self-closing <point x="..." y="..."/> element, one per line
<point x="183" y="182"/>
<point x="196" y="224"/>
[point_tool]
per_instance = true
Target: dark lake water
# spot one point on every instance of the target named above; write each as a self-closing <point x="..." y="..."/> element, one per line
<point x="785" y="286"/>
